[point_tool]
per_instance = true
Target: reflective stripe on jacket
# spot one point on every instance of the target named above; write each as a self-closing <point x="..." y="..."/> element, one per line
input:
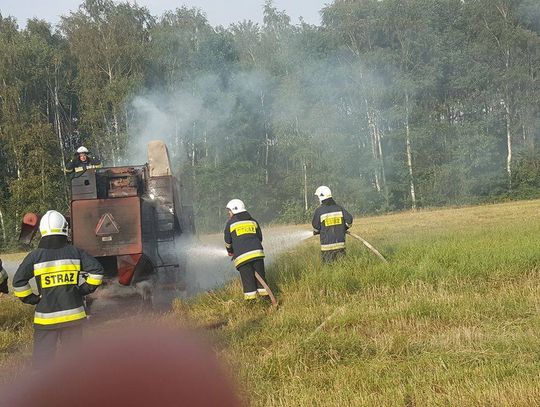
<point x="332" y="221"/>
<point x="3" y="275"/>
<point x="76" y="165"/>
<point x="57" y="273"/>
<point x="87" y="167"/>
<point x="3" y="280"/>
<point x="243" y="239"/>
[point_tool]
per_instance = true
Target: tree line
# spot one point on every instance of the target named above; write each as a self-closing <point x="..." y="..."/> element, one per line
<point x="394" y="104"/>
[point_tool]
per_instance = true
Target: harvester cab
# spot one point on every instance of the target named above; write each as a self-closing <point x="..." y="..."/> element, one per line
<point x="131" y="219"/>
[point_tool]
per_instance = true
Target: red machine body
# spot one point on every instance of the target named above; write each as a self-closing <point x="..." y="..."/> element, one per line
<point x="131" y="218"/>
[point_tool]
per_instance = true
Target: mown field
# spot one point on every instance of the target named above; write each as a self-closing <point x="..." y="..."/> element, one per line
<point x="452" y="320"/>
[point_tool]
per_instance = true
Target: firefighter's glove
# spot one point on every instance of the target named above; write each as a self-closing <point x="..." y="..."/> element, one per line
<point x="85" y="289"/>
<point x="32" y="299"/>
<point x="4" y="287"/>
<point x="316" y="232"/>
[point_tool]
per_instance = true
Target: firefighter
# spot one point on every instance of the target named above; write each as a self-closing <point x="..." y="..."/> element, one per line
<point x="331" y="221"/>
<point x="56" y="266"/>
<point x="243" y="241"/>
<point x="82" y="161"/>
<point x="3" y="279"/>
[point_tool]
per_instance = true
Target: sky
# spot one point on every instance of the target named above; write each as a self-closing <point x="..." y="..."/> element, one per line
<point x="219" y="12"/>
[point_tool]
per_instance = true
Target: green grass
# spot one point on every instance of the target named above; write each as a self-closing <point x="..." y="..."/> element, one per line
<point x="453" y="320"/>
<point x="15" y="333"/>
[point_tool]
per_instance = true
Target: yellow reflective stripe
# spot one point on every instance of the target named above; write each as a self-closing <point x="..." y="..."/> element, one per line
<point x="55" y="269"/>
<point x="250" y="296"/>
<point x="333" y="246"/>
<point x="50" y="318"/>
<point x="333" y="221"/>
<point x="332" y="218"/>
<point x="59" y="278"/>
<point x="51" y="231"/>
<point x="244" y="227"/>
<point x="262" y="292"/>
<point x="331" y="215"/>
<point x="241" y="223"/>
<point x="94" y="279"/>
<point x="88" y="167"/>
<point x="52" y="263"/>
<point x="22" y="292"/>
<point x="59" y="320"/>
<point x="254" y="254"/>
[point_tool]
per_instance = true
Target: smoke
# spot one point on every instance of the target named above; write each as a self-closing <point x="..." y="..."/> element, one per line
<point x="186" y="117"/>
<point x="529" y="12"/>
<point x="209" y="267"/>
<point x="152" y="122"/>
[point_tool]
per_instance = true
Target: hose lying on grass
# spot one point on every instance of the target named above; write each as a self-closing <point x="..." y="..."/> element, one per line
<point x="369" y="246"/>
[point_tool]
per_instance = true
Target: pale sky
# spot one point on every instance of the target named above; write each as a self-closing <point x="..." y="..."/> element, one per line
<point x="221" y="12"/>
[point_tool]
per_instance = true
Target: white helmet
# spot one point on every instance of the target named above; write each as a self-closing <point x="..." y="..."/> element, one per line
<point x="53" y="223"/>
<point x="82" y="149"/>
<point x="323" y="193"/>
<point x="236" y="206"/>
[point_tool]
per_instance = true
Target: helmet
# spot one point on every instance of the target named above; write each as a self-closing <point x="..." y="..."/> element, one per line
<point x="82" y="149"/>
<point x="53" y="223"/>
<point x="323" y="193"/>
<point x="236" y="206"/>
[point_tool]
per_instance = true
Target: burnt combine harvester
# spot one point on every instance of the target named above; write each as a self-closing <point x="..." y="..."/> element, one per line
<point x="131" y="219"/>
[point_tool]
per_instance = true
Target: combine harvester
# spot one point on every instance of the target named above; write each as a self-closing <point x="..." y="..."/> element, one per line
<point x="131" y="219"/>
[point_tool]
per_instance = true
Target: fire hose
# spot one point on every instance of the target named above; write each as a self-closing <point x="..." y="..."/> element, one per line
<point x="268" y="290"/>
<point x="369" y="246"/>
<point x="265" y="286"/>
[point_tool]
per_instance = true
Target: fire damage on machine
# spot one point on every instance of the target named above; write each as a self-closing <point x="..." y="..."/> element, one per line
<point x="131" y="219"/>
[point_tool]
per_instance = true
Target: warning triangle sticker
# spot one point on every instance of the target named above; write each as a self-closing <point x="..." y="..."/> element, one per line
<point x="107" y="225"/>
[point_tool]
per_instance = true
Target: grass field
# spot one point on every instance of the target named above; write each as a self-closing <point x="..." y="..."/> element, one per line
<point x="15" y="326"/>
<point x="15" y="333"/>
<point x="452" y="320"/>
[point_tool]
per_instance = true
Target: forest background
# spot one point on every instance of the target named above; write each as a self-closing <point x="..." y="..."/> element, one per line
<point x="394" y="104"/>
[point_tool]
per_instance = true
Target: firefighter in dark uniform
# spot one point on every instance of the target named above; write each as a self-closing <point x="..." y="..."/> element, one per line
<point x="82" y="161"/>
<point x="56" y="266"/>
<point x="243" y="240"/>
<point x="3" y="279"/>
<point x="331" y="221"/>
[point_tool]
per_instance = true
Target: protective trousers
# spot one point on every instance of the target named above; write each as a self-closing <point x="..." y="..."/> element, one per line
<point x="46" y="342"/>
<point x="329" y="256"/>
<point x="249" y="282"/>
